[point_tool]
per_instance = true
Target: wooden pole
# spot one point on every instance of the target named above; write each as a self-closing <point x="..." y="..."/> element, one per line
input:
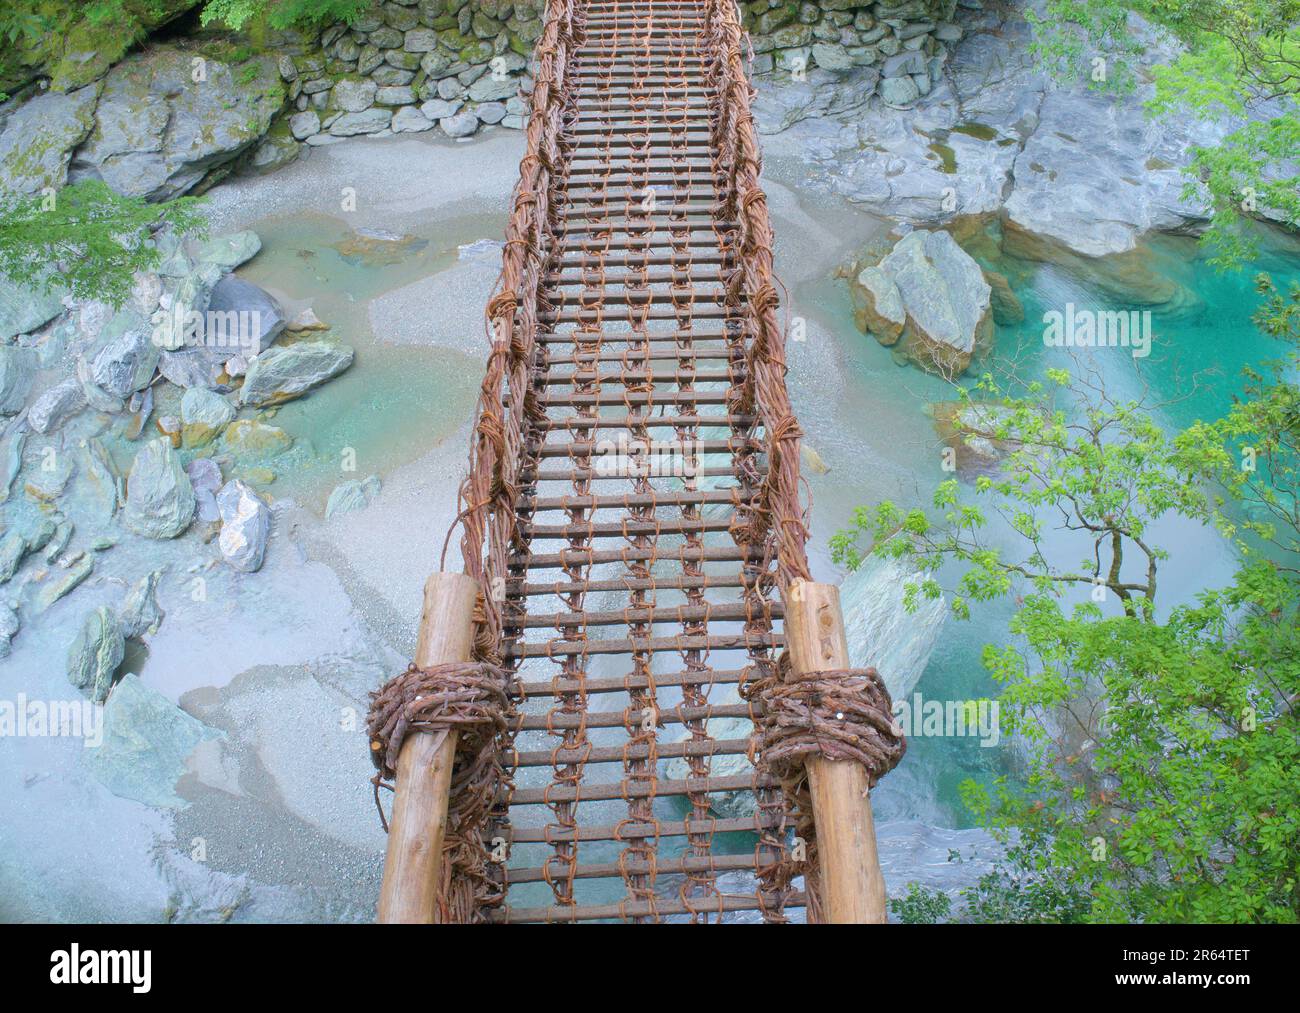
<point x="413" y="864"/>
<point x="852" y="887"/>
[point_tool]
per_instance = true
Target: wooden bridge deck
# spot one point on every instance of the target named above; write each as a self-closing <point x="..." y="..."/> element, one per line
<point x="637" y="613"/>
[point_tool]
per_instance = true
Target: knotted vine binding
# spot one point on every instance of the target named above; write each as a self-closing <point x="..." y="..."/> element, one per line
<point x="838" y="714"/>
<point x="472" y="699"/>
<point x="841" y="714"/>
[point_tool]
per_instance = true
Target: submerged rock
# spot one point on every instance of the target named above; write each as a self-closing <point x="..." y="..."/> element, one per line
<point x="141" y="613"/>
<point x="282" y="373"/>
<point x="159" y="496"/>
<point x="929" y="294"/>
<point x="229" y="251"/>
<point x="351" y="496"/>
<point x="96" y="653"/>
<point x="1131" y="277"/>
<point x="812" y="461"/>
<point x="970" y="429"/>
<point x="307" y="320"/>
<point x="881" y="633"/>
<point x="1007" y="307"/>
<point x="254" y="440"/>
<point x="147" y="740"/>
<point x="245" y="526"/>
<point x="58" y="587"/>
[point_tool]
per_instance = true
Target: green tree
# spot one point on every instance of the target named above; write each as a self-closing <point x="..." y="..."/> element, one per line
<point x="1161" y="749"/>
<point x="1231" y="55"/>
<point x="86" y="239"/>
<point x="282" y="13"/>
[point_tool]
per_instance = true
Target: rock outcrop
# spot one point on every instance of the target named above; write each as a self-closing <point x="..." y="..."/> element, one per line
<point x="37" y="139"/>
<point x="160" y="133"/>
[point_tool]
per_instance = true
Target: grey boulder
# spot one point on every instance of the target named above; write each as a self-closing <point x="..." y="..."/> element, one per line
<point x="141" y="613"/>
<point x="354" y="96"/>
<point x="229" y="251"/>
<point x="460" y="124"/>
<point x="56" y="406"/>
<point x="255" y="314"/>
<point x="410" y="120"/>
<point x="881" y="632"/>
<point x="369" y="122"/>
<point x="23" y="309"/>
<point x="96" y="653"/>
<point x="304" y="125"/>
<point x="282" y="373"/>
<point x="159" y="495"/>
<point x="245" y="526"/>
<point x="940" y="294"/>
<point x="125" y="357"/>
<point x="353" y="495"/>
<point x="204" y="414"/>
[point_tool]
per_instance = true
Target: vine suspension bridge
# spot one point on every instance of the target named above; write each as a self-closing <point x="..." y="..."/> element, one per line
<point x="633" y="534"/>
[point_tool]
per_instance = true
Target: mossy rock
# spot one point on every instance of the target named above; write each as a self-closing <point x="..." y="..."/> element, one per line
<point x="71" y="51"/>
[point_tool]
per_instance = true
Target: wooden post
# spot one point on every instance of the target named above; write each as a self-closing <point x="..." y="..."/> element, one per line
<point x="413" y="864"/>
<point x="852" y="887"/>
